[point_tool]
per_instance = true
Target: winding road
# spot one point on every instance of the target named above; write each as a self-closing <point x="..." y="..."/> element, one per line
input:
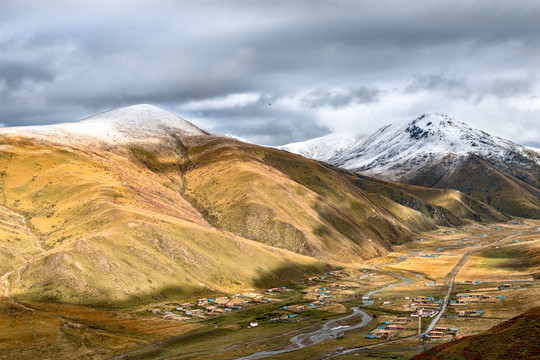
<point x="329" y="330"/>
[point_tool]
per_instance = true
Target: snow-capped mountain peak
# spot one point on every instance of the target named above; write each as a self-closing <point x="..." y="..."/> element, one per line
<point x="133" y="123"/>
<point x="401" y="148"/>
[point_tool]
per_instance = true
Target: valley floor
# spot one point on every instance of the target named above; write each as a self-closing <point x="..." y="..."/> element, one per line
<point x="463" y="282"/>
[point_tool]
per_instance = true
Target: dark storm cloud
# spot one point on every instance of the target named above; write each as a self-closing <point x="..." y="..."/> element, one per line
<point x="262" y="122"/>
<point x="13" y="73"/>
<point x="340" y="98"/>
<point x="322" y="64"/>
<point x="271" y="130"/>
<point x="451" y="86"/>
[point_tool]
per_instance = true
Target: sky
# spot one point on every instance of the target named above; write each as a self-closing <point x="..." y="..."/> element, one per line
<point x="275" y="72"/>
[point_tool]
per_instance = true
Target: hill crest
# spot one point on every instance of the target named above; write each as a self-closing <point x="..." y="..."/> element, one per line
<point x="141" y="122"/>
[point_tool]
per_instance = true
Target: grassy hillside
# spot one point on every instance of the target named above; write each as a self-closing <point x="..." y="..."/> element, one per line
<point x="517" y="338"/>
<point x="445" y="207"/>
<point x="101" y="224"/>
<point x="510" y="191"/>
<point x="287" y="201"/>
<point x="81" y="227"/>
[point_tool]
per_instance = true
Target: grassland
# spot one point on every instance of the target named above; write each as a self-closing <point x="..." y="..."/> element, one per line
<point x="92" y="236"/>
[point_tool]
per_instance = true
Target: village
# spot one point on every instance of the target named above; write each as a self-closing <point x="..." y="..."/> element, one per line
<point x="405" y="297"/>
<point x="321" y="292"/>
<point x="325" y="292"/>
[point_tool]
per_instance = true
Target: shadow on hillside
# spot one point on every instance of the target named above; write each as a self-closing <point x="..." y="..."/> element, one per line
<point x="289" y="274"/>
<point x="169" y="293"/>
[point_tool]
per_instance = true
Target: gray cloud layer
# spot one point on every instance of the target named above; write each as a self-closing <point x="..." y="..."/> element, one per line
<point x="324" y="66"/>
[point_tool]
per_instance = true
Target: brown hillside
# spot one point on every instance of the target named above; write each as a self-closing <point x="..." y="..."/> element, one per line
<point x="485" y="182"/>
<point x="517" y="338"/>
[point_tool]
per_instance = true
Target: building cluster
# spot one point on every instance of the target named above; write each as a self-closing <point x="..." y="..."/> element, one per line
<point x="467" y="299"/>
<point x="390" y="329"/>
<point x="470" y="313"/>
<point x="368" y="275"/>
<point x="439" y="332"/>
<point x="214" y="306"/>
<point x="426" y="306"/>
<point x="328" y="276"/>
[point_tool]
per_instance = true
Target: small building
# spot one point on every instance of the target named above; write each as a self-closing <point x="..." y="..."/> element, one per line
<point x="425" y="312"/>
<point x="254" y="324"/>
<point x="402" y="320"/>
<point x="235" y="303"/>
<point x="381" y="333"/>
<point x="221" y="300"/>
<point x="436" y="335"/>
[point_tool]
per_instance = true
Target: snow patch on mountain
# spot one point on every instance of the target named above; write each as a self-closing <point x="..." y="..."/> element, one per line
<point x="134" y="123"/>
<point x="231" y="136"/>
<point x="325" y="147"/>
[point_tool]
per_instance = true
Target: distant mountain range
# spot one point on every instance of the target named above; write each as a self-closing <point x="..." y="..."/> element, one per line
<point x="325" y="148"/>
<point x="137" y="205"/>
<point x="437" y="151"/>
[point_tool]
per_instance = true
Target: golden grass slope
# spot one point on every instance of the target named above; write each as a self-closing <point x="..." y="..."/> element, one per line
<point x="90" y="228"/>
<point x="287" y="201"/>
<point x="144" y="221"/>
